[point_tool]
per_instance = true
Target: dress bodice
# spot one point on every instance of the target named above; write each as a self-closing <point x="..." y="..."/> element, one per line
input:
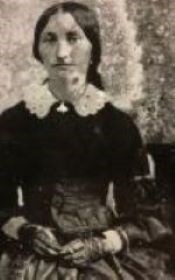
<point x="70" y="145"/>
<point x="78" y="206"/>
<point x="100" y="148"/>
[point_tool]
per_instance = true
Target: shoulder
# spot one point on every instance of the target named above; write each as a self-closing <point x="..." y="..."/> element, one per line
<point x="117" y="115"/>
<point x="120" y="123"/>
<point x="17" y="114"/>
<point x="15" y="111"/>
<point x="17" y="124"/>
<point x="126" y="140"/>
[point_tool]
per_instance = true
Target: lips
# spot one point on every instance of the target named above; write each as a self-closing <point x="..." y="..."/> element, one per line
<point x="63" y="67"/>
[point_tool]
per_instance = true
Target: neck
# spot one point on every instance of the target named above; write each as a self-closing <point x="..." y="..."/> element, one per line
<point x="65" y="90"/>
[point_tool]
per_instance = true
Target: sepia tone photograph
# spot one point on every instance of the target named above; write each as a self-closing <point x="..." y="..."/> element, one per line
<point x="87" y="140"/>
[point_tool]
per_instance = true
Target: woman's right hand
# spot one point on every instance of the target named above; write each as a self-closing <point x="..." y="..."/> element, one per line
<point x="42" y="240"/>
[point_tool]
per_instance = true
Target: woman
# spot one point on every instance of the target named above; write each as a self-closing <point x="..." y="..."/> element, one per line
<point x="88" y="210"/>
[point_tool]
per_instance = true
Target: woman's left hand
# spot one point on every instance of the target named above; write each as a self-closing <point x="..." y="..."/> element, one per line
<point x="79" y="251"/>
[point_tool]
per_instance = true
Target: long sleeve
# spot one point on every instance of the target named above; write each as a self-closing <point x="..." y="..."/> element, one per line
<point x="144" y="218"/>
<point x="8" y="164"/>
<point x="141" y="212"/>
<point x="16" y="157"/>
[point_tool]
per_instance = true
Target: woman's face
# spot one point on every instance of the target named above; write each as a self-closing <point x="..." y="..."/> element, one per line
<point x="64" y="47"/>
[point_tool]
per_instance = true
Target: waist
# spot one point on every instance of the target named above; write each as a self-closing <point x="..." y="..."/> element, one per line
<point x="78" y="206"/>
<point x="84" y="221"/>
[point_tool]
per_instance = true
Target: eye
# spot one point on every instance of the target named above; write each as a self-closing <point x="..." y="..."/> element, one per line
<point x="73" y="37"/>
<point x="49" y="37"/>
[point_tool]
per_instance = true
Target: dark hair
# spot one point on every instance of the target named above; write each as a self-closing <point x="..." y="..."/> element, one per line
<point x="87" y="20"/>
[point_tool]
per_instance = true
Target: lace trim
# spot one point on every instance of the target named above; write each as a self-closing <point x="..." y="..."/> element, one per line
<point x="40" y="100"/>
<point x="91" y="102"/>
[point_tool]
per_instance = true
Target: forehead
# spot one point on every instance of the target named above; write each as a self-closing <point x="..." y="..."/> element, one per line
<point x="62" y="21"/>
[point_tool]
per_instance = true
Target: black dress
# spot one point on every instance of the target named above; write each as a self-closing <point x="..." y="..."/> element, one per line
<point x="79" y="175"/>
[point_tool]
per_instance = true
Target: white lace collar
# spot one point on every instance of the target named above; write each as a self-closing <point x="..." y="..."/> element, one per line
<point x="40" y="100"/>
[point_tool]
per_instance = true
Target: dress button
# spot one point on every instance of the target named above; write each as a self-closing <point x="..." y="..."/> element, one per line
<point x="62" y="108"/>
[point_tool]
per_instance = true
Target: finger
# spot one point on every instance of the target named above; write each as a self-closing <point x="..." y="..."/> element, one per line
<point x="46" y="253"/>
<point x="51" y="243"/>
<point x="72" y="247"/>
<point x="40" y="251"/>
<point x="44" y="246"/>
<point x="77" y="245"/>
<point x="39" y="246"/>
<point x="66" y="251"/>
<point x="74" y="256"/>
<point x="80" y="261"/>
<point x="46" y="233"/>
<point x="78" y="255"/>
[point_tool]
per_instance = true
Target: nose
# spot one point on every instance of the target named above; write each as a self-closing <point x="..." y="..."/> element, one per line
<point x="63" y="50"/>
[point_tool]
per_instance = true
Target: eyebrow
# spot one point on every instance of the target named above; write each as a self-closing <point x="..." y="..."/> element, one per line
<point x="49" y="33"/>
<point x="73" y="32"/>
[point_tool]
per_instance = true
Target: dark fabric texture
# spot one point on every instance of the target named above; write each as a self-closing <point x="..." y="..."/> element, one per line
<point x="65" y="163"/>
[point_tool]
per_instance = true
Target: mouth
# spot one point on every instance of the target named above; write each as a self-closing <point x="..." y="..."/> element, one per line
<point x="63" y="66"/>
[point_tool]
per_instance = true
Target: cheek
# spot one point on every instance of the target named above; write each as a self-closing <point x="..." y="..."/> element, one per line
<point x="82" y="54"/>
<point x="45" y="53"/>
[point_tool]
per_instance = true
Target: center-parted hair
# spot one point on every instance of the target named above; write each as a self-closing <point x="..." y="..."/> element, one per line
<point x="87" y="20"/>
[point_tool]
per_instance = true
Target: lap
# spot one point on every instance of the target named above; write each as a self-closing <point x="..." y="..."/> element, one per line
<point x="142" y="265"/>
